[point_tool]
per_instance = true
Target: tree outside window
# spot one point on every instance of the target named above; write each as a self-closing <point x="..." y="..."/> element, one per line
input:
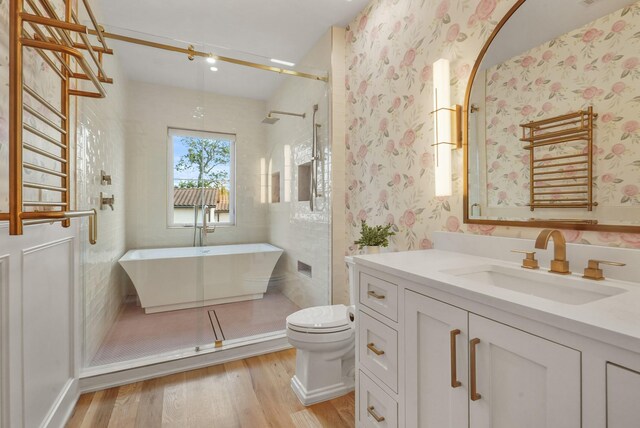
<point x="201" y="160"/>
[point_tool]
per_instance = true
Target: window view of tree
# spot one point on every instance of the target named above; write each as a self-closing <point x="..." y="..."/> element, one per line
<point x="202" y="170"/>
<point x="206" y="157"/>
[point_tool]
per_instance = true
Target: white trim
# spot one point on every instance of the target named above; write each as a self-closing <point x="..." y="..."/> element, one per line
<point x="69" y="394"/>
<point x="4" y="341"/>
<point x="232" y="138"/>
<point x="63" y="407"/>
<point x="96" y="382"/>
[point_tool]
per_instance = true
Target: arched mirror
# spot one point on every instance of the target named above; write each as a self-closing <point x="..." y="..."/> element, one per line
<point x="551" y="116"/>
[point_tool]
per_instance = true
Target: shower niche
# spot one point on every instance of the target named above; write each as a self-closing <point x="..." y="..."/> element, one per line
<point x="304" y="182"/>
<point x="275" y="187"/>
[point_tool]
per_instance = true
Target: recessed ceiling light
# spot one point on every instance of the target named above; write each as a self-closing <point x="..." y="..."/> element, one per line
<point x="213" y="68"/>
<point x="279" y="61"/>
<point x="211" y="60"/>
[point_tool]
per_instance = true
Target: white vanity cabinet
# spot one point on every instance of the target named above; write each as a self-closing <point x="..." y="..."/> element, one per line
<point x="520" y="380"/>
<point x="422" y="348"/>
<point x="436" y="369"/>
<point x="623" y="397"/>
<point x="544" y="350"/>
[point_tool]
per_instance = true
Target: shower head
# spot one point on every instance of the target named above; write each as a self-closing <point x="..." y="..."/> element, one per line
<point x="270" y="120"/>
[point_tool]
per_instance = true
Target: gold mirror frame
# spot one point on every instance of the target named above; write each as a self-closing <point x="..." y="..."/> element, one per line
<point x="557" y="224"/>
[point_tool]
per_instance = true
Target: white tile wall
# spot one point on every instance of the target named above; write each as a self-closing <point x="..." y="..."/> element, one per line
<point x="305" y="235"/>
<point x="151" y="110"/>
<point x="101" y="146"/>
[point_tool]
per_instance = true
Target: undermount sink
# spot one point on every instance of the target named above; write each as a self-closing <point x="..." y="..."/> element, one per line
<point x="568" y="289"/>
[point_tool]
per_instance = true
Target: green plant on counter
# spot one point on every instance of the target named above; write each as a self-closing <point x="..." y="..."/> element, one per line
<point x="376" y="236"/>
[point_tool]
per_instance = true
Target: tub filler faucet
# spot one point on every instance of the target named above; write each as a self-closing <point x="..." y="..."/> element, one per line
<point x="208" y="212"/>
<point x="204" y="228"/>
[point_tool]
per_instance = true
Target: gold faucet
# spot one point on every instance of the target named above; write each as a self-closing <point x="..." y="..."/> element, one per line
<point x="559" y="264"/>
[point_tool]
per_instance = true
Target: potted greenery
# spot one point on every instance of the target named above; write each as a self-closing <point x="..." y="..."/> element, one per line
<point x="372" y="238"/>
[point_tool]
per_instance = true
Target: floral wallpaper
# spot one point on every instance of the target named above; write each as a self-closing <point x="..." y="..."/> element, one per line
<point x="391" y="46"/>
<point x="596" y="65"/>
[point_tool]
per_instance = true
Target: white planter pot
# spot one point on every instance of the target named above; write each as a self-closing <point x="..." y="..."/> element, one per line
<point x="372" y="249"/>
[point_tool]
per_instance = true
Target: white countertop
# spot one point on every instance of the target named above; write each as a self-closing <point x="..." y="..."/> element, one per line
<point x="614" y="320"/>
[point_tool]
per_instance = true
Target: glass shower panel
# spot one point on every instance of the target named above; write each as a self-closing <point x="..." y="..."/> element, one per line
<point x="275" y="256"/>
<point x="147" y="306"/>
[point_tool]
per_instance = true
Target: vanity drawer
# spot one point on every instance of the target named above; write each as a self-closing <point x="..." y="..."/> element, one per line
<point x="379" y="295"/>
<point x="375" y="407"/>
<point x="378" y="349"/>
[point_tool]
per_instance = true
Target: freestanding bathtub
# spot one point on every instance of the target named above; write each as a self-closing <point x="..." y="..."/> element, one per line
<point x="167" y="279"/>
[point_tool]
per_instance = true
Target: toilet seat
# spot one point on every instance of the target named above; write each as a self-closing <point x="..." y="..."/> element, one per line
<point x="320" y="320"/>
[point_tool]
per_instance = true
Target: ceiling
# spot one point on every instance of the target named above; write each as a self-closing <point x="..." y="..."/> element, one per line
<point x="256" y="30"/>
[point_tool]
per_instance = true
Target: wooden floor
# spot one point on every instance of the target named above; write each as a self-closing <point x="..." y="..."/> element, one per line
<point x="251" y="393"/>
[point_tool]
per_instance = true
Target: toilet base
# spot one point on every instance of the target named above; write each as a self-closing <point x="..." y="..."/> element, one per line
<point x="322" y="394"/>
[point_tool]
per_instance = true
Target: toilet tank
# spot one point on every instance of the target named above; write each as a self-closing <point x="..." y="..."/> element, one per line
<point x="352" y="281"/>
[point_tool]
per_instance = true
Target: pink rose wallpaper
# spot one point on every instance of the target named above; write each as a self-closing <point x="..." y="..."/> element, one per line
<point x="393" y="52"/>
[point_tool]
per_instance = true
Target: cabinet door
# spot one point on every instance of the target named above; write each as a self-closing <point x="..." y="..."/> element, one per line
<point x="623" y="396"/>
<point x="435" y="377"/>
<point x="523" y="380"/>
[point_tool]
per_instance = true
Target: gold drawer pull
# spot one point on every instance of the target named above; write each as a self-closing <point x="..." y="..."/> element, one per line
<point x="376" y="295"/>
<point x="474" y="393"/>
<point x="373" y="349"/>
<point x="454" y="377"/>
<point x="372" y="411"/>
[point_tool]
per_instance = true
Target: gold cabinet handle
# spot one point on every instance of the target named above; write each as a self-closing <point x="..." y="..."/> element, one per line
<point x="454" y="376"/>
<point x="474" y="387"/>
<point x="593" y="271"/>
<point x="373" y="349"/>
<point x="372" y="411"/>
<point x="376" y="295"/>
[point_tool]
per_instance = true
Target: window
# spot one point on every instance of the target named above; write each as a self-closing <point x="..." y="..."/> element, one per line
<point x="201" y="172"/>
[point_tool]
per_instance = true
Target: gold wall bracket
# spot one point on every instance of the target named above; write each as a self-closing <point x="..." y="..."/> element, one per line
<point x="456" y="126"/>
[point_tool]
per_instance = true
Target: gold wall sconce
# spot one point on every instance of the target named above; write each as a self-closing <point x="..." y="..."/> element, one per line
<point x="447" y="127"/>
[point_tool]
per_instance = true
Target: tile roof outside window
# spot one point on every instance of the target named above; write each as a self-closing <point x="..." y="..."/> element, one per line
<point x="189" y="197"/>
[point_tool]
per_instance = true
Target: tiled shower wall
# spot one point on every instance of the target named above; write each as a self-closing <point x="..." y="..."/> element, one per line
<point x="101" y="146"/>
<point x="152" y="109"/>
<point x="305" y="235"/>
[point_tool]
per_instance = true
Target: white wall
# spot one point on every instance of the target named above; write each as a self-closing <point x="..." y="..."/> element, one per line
<point x="302" y="233"/>
<point x="152" y="109"/>
<point x="40" y="299"/>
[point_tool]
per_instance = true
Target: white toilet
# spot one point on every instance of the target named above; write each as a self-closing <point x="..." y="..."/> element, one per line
<point x="324" y="338"/>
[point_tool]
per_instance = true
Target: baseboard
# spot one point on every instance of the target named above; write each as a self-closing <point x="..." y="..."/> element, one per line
<point x="125" y="376"/>
<point x="62" y="409"/>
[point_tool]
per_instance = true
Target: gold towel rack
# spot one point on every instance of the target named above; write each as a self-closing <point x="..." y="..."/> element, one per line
<point x="565" y="180"/>
<point x="60" y="42"/>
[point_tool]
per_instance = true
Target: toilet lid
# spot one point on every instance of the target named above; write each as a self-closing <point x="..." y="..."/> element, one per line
<point x="320" y="317"/>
